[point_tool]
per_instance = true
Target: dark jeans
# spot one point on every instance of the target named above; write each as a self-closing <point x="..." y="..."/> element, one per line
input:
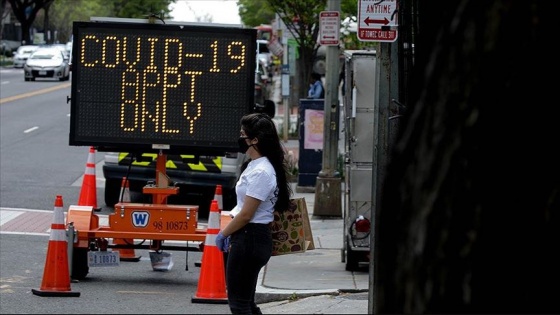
<point x="251" y="248"/>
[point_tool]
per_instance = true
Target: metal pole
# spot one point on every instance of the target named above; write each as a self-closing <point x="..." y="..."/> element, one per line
<point x="70" y="244"/>
<point x="327" y="188"/>
<point x="285" y="85"/>
<point x="385" y="132"/>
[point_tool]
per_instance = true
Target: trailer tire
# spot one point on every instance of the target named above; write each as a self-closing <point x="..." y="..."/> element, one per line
<point x="80" y="267"/>
<point x="352" y="263"/>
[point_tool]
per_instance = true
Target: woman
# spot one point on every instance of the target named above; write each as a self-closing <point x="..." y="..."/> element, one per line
<point x="262" y="187"/>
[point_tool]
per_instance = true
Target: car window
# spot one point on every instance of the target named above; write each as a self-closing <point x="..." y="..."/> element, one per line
<point x="46" y="55"/>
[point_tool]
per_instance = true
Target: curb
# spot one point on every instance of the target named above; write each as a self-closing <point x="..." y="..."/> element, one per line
<point x="266" y="294"/>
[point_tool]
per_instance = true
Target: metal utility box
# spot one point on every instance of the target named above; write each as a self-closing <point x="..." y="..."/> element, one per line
<point x="360" y="96"/>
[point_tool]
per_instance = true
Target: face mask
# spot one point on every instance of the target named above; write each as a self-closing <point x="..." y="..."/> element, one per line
<point x="243" y="146"/>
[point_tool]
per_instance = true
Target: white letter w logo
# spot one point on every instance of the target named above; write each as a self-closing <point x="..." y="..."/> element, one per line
<point x="140" y="218"/>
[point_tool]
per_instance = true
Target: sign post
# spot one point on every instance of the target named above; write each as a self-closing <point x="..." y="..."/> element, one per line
<point x="377" y="20"/>
<point x="329" y="28"/>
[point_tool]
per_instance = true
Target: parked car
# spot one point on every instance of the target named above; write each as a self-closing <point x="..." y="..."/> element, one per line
<point x="22" y="53"/>
<point x="47" y="62"/>
<point x="263" y="54"/>
<point x="61" y="47"/>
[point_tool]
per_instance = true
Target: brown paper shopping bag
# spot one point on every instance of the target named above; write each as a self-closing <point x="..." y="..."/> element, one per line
<point x="291" y="232"/>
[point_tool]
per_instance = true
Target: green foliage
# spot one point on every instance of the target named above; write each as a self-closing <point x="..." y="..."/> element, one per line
<point x="62" y="13"/>
<point x="302" y="20"/>
<point x="141" y="9"/>
<point x="293" y="297"/>
<point x="26" y="11"/>
<point x="255" y="12"/>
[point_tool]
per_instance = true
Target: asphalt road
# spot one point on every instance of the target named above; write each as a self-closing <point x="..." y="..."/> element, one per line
<point x="36" y="164"/>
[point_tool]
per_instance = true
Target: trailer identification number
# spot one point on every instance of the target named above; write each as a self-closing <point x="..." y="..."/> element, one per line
<point x="171" y="225"/>
<point x="103" y="259"/>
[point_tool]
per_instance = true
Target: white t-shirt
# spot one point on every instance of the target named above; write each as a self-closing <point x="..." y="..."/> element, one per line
<point x="258" y="181"/>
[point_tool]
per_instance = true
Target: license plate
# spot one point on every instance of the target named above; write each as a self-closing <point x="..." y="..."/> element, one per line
<point x="42" y="72"/>
<point x="103" y="259"/>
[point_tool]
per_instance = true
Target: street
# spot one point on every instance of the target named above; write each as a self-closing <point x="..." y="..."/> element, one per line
<point x="36" y="165"/>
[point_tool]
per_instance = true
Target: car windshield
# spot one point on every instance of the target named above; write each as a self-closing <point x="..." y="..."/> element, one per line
<point x="43" y="56"/>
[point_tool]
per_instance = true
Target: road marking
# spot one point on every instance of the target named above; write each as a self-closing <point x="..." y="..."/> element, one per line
<point x="31" y="129"/>
<point x="17" y="97"/>
<point x="21" y="221"/>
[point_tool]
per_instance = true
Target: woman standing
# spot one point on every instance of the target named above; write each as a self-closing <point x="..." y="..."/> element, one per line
<point x="262" y="187"/>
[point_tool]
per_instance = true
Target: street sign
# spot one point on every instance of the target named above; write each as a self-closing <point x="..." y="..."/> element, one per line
<point x="377" y="20"/>
<point x="329" y="28"/>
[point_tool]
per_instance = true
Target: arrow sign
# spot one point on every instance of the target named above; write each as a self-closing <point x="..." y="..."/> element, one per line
<point x="384" y="21"/>
<point x="377" y="20"/>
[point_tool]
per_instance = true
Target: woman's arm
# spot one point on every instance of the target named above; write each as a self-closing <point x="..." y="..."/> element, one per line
<point x="250" y="206"/>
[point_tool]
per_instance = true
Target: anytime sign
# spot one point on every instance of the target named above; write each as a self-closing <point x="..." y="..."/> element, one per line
<point x="377" y="20"/>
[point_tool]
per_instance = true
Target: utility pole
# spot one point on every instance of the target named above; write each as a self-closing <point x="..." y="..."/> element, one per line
<point x="327" y="187"/>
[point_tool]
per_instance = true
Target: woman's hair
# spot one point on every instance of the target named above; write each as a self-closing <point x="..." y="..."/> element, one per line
<point x="261" y="126"/>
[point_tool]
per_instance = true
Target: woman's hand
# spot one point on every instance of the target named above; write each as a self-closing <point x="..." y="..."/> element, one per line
<point x="222" y="242"/>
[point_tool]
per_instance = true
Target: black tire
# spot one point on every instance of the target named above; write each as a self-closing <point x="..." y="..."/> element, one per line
<point x="352" y="257"/>
<point x="80" y="267"/>
<point x="112" y="191"/>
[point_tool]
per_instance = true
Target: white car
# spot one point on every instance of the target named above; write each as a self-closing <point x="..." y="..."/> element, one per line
<point x="263" y="54"/>
<point x="47" y="63"/>
<point x="22" y="53"/>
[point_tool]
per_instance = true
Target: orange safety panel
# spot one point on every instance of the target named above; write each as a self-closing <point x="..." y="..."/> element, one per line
<point x="154" y="218"/>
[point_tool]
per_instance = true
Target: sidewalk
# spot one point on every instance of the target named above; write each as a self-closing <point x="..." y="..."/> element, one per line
<point x="313" y="282"/>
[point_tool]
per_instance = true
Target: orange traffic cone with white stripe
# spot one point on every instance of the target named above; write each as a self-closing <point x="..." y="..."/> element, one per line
<point x="212" y="280"/>
<point x="125" y="190"/>
<point x="88" y="194"/>
<point x="126" y="254"/>
<point x="218" y="197"/>
<point x="56" y="275"/>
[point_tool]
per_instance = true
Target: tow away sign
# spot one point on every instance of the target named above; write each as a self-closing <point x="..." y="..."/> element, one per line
<point x="329" y="26"/>
<point x="377" y="20"/>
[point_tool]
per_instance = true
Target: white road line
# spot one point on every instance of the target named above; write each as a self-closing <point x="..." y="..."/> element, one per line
<point x="31" y="129"/>
<point x="7" y="215"/>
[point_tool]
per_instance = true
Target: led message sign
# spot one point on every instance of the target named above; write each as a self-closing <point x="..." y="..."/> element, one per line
<point x="145" y="87"/>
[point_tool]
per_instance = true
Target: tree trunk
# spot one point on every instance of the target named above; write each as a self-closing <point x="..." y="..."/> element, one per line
<point x="470" y="215"/>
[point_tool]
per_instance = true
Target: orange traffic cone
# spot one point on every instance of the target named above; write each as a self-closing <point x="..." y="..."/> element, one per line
<point x="125" y="190"/>
<point x="217" y="197"/>
<point x="56" y="276"/>
<point x="88" y="194"/>
<point x="126" y="254"/>
<point x="212" y="282"/>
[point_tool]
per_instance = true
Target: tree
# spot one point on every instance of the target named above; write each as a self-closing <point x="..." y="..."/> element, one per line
<point x="302" y="20"/>
<point x="469" y="220"/>
<point x="3" y="14"/>
<point x="141" y="8"/>
<point x="63" y="14"/>
<point x="25" y="12"/>
<point x="255" y="12"/>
